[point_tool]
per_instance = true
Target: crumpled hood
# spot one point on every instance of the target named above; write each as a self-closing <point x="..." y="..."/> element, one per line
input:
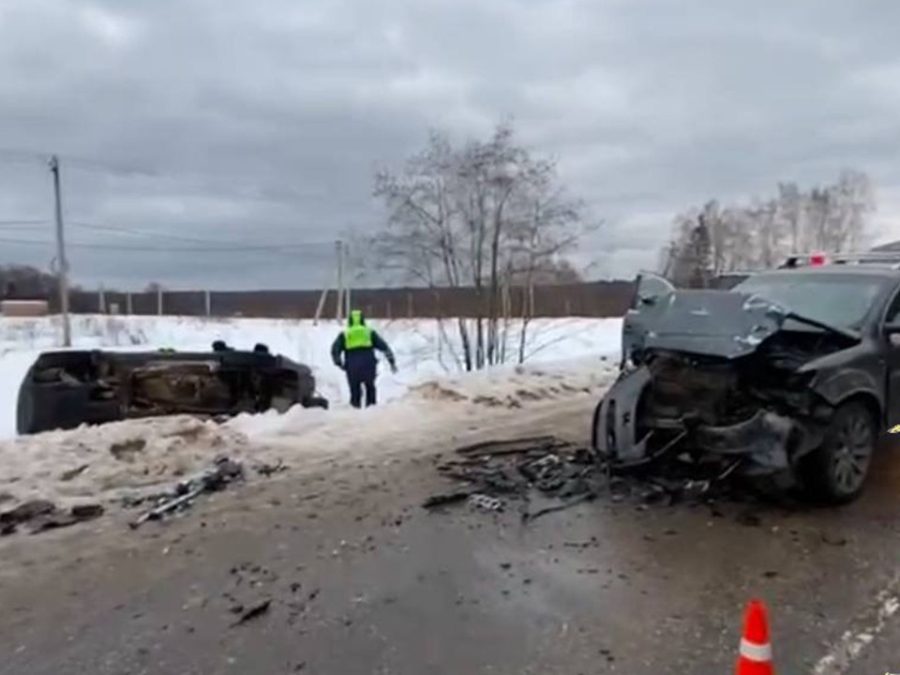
<point x="710" y="322"/>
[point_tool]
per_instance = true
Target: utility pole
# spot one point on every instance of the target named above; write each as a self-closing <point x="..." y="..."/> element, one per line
<point x="339" y="246"/>
<point x="349" y="279"/>
<point x="62" y="261"/>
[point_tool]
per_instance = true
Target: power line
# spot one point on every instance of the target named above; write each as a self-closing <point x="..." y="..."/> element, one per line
<point x="239" y="245"/>
<point x="89" y="164"/>
<point x="215" y="244"/>
<point x="21" y="224"/>
<point x="275" y="248"/>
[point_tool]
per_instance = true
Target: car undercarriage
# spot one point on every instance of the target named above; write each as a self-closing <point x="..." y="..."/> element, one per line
<point x="63" y="390"/>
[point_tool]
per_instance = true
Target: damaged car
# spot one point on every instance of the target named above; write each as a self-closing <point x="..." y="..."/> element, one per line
<point x="789" y="377"/>
<point x="66" y="389"/>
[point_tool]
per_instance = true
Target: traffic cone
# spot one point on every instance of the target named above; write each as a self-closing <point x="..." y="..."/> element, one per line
<point x="755" y="652"/>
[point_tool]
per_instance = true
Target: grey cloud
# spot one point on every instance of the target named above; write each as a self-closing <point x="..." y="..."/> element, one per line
<point x="262" y="122"/>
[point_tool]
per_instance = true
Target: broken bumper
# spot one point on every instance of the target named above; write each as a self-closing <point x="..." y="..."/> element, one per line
<point x="619" y="434"/>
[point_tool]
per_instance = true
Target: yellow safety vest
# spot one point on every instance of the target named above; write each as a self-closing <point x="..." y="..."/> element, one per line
<point x="357" y="335"/>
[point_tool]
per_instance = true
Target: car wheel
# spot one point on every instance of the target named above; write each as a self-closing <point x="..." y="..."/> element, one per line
<point x="595" y="426"/>
<point x="836" y="471"/>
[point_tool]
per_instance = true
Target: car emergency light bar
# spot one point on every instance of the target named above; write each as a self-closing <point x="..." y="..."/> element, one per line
<point x="819" y="258"/>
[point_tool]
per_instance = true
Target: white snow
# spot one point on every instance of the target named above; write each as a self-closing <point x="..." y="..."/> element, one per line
<point x="566" y="357"/>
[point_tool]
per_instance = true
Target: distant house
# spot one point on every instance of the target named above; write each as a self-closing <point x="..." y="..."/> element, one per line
<point x="13" y="304"/>
<point x="24" y="308"/>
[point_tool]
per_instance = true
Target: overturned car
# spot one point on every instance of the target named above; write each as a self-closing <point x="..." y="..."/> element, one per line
<point x="790" y="376"/>
<point x="65" y="389"/>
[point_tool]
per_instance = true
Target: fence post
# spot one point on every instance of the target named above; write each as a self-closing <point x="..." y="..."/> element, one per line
<point x="101" y="300"/>
<point x="129" y="307"/>
<point x="159" y="301"/>
<point x="409" y="305"/>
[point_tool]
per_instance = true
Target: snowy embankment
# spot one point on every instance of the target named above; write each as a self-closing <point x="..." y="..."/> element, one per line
<point x="567" y="357"/>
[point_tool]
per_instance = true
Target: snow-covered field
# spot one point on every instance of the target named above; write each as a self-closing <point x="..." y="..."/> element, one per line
<point x="565" y="357"/>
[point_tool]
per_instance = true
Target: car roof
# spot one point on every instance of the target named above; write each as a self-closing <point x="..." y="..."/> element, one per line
<point x="834" y="271"/>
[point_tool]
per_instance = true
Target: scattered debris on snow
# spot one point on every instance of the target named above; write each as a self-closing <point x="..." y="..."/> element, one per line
<point x="223" y="472"/>
<point x="135" y="457"/>
<point x="40" y="515"/>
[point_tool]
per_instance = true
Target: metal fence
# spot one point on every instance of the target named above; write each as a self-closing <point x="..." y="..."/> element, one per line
<point x="595" y="299"/>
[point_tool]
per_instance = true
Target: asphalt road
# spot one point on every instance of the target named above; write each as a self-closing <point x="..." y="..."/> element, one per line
<point x="360" y="580"/>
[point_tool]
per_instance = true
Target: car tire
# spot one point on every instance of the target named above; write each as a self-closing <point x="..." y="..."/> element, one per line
<point x="595" y="427"/>
<point x="836" y="471"/>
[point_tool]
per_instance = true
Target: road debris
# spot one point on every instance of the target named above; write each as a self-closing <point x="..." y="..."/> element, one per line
<point x="40" y="515"/>
<point x="71" y="474"/>
<point x="485" y="502"/>
<point x="447" y="498"/>
<point x="253" y="612"/>
<point x="497" y="472"/>
<point x="223" y="472"/>
<point x="27" y="511"/>
<point x="587" y="496"/>
<point x="267" y="470"/>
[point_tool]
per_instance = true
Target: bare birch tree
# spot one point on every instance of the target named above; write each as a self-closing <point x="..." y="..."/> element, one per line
<point x="486" y="215"/>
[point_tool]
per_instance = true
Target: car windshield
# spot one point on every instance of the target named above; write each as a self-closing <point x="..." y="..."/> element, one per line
<point x="840" y="301"/>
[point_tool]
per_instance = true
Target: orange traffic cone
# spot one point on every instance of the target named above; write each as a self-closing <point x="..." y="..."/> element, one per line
<point x="755" y="652"/>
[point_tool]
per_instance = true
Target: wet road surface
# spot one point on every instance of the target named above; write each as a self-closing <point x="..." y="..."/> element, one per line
<point x="360" y="579"/>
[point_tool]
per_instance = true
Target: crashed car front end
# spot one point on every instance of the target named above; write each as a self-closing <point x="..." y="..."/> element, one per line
<point x="720" y="377"/>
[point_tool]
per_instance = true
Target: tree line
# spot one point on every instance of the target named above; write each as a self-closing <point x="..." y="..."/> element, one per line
<point x="714" y="239"/>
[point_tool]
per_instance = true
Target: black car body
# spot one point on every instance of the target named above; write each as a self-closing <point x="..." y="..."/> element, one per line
<point x="66" y="389"/>
<point x="791" y="374"/>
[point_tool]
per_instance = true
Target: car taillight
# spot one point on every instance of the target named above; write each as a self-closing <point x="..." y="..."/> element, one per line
<point x="817" y="259"/>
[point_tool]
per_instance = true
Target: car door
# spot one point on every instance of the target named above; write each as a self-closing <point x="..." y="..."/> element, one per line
<point x="890" y="334"/>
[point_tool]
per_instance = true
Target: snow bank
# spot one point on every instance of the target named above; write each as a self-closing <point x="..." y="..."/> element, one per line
<point x="141" y="455"/>
<point x="425" y="349"/>
<point x="566" y="358"/>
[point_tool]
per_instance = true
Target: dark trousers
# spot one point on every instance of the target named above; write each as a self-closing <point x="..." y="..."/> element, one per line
<point x="359" y="380"/>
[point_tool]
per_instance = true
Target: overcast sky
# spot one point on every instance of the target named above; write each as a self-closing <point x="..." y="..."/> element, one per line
<point x="181" y="123"/>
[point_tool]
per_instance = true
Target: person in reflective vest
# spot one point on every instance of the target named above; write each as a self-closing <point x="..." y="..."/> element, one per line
<point x="354" y="352"/>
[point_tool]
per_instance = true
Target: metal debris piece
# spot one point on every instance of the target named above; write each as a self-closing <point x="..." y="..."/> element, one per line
<point x="485" y="502"/>
<point x="40" y="515"/>
<point x="833" y="541"/>
<point x="253" y="612"/>
<point x="267" y="470"/>
<point x="223" y="472"/>
<point x="586" y="497"/>
<point x="87" y="511"/>
<point x="66" y="476"/>
<point x="446" y="498"/>
<point x="27" y="511"/>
